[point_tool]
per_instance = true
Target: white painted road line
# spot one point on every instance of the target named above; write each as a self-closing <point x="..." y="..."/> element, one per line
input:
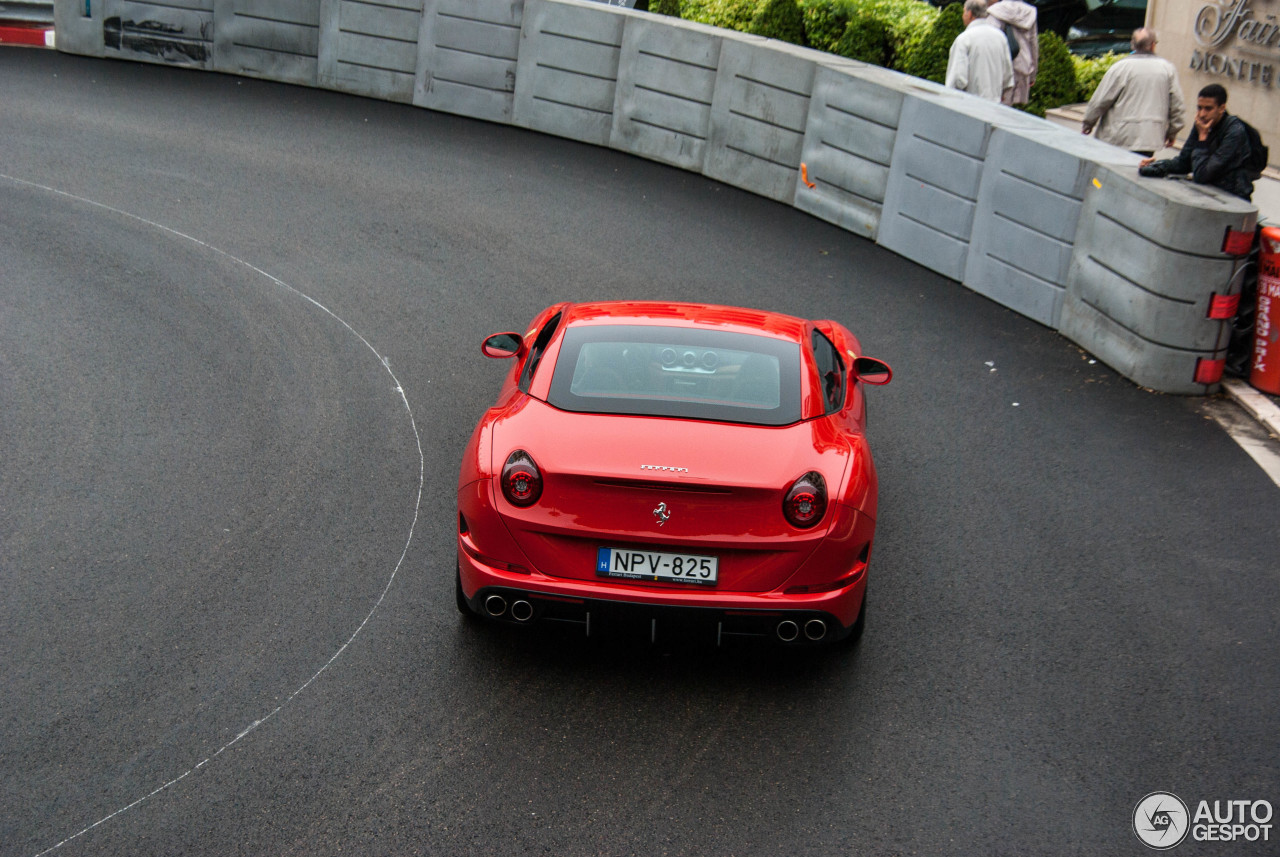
<point x="1247" y="430"/>
<point x="417" y="506"/>
<point x="1259" y="406"/>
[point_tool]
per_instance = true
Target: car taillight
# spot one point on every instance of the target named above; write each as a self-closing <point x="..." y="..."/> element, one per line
<point x="806" y="501"/>
<point x="521" y="480"/>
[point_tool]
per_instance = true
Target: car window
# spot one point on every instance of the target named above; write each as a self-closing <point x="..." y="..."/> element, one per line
<point x="677" y="372"/>
<point x="831" y="372"/>
<point x="536" y="351"/>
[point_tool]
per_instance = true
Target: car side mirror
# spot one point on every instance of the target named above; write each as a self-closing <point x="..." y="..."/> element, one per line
<point x="502" y="345"/>
<point x="872" y="371"/>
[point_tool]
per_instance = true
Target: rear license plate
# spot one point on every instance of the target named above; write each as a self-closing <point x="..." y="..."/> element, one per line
<point x="648" y="565"/>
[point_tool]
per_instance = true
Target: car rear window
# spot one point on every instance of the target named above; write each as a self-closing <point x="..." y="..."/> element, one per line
<point x="678" y="372"/>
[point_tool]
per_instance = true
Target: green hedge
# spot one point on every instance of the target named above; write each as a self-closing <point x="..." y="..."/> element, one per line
<point x="779" y="19"/>
<point x="910" y="36"/>
<point x="1055" y="76"/>
<point x="824" y="24"/>
<point x="864" y="39"/>
<point x="730" y="14"/>
<point x="926" y="56"/>
<point x="1089" y="73"/>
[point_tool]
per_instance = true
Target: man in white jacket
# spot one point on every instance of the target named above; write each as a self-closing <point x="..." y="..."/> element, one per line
<point x="1138" y="104"/>
<point x="979" y="61"/>
<point x="1019" y="19"/>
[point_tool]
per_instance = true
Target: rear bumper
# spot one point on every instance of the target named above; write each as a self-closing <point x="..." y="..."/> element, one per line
<point x="600" y="606"/>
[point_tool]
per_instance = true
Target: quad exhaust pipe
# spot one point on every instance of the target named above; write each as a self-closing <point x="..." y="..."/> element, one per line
<point x="788" y="631"/>
<point x="519" y="610"/>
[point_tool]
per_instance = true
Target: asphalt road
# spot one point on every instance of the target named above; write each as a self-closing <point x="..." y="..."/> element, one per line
<point x="239" y="328"/>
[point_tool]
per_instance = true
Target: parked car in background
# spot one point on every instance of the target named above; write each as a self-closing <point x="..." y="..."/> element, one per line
<point x="1051" y="15"/>
<point x="1089" y="27"/>
<point x="1107" y="27"/>
<point x="1057" y="16"/>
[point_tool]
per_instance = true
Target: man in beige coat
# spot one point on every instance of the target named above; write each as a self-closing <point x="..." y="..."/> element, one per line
<point x="1019" y="19"/>
<point x="979" y="61"/>
<point x="1138" y="105"/>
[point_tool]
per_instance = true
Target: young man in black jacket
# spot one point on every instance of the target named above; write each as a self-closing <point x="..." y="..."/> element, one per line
<point x="1216" y="149"/>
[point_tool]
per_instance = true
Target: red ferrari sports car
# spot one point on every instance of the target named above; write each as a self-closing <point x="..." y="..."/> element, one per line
<point x="682" y="465"/>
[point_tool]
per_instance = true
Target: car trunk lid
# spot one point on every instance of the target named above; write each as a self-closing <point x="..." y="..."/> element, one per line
<point x="649" y="485"/>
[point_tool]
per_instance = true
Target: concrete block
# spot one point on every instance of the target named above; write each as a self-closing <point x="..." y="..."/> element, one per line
<point x="78" y="32"/>
<point x="758" y="115"/>
<point x="932" y="193"/>
<point x="467" y="57"/>
<point x="1148" y="364"/>
<point x="939" y="158"/>
<point x="270" y="39"/>
<point x="666" y="83"/>
<point x="1028" y="208"/>
<point x="1146" y="264"/>
<point x="848" y="145"/>
<point x="177" y="33"/>
<point x="394" y="21"/>
<point x="567" y="70"/>
<point x="370" y="49"/>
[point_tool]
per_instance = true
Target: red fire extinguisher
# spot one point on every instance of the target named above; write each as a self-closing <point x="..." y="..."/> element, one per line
<point x="1265" y="375"/>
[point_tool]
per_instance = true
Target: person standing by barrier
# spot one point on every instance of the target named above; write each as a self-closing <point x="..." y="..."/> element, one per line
<point x="1217" y="149"/>
<point x="1019" y="20"/>
<point x="1138" y="105"/>
<point x="979" y="62"/>
<point x="1218" y="152"/>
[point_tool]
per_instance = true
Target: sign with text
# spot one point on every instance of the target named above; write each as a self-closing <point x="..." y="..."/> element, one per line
<point x="1251" y="34"/>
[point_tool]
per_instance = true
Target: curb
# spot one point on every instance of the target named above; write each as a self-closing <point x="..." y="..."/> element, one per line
<point x="31" y="35"/>
<point x="1256" y="404"/>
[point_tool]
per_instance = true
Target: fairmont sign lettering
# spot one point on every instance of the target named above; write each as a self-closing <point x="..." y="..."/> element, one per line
<point x="1218" y="22"/>
<point x="1254" y="35"/>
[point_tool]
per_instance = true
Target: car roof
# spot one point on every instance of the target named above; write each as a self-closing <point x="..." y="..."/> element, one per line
<point x="676" y="314"/>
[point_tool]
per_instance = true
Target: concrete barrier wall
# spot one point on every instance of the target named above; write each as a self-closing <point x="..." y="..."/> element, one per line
<point x="665" y="88"/>
<point x="179" y="33"/>
<point x="848" y="144"/>
<point x="271" y="39"/>
<point x="758" y="115"/>
<point x="370" y="48"/>
<point x="1027" y="215"/>
<point x="1055" y="226"/>
<point x="567" y="72"/>
<point x="467" y="53"/>
<point x="938" y="164"/>
<point x="1146" y="263"/>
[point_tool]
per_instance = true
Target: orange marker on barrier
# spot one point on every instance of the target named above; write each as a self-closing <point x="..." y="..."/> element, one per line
<point x="804" y="177"/>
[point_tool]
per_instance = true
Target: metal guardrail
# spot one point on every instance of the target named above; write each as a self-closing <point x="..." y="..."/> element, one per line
<point x="27" y="11"/>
